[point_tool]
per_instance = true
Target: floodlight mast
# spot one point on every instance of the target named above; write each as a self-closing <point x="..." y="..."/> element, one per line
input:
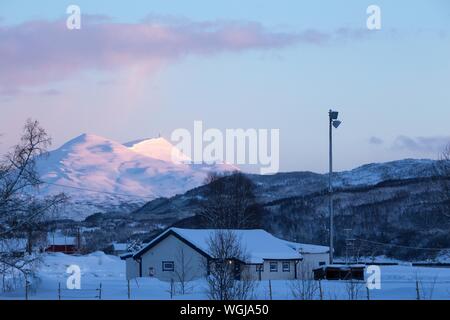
<point x="333" y="122"/>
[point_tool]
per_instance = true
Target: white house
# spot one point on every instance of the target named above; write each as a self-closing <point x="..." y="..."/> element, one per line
<point x="178" y="251"/>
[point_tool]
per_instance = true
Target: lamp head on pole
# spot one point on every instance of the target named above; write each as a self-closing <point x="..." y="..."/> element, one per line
<point x="333" y="114"/>
<point x="333" y="118"/>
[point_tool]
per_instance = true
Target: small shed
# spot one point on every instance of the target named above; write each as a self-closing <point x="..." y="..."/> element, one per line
<point x="340" y="272"/>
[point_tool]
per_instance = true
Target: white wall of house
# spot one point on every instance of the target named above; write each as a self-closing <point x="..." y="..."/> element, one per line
<point x="132" y="268"/>
<point x="310" y="262"/>
<point x="281" y="270"/>
<point x="172" y="250"/>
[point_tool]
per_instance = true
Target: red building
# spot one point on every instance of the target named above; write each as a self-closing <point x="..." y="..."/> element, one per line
<point x="57" y="242"/>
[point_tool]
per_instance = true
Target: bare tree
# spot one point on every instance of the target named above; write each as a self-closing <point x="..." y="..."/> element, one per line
<point x="424" y="288"/>
<point x="22" y="212"/>
<point x="426" y="292"/>
<point x="41" y="210"/>
<point x="354" y="288"/>
<point x="442" y="171"/>
<point x="305" y="287"/>
<point x="183" y="269"/>
<point x="230" y="202"/>
<point x="228" y="279"/>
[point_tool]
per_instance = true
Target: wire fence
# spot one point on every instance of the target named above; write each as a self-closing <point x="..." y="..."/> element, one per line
<point x="82" y="294"/>
<point x="412" y="289"/>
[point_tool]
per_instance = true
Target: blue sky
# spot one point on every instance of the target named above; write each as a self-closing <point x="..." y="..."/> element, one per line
<point x="391" y="85"/>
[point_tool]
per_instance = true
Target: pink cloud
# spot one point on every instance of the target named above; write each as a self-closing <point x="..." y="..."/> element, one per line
<point x="39" y="52"/>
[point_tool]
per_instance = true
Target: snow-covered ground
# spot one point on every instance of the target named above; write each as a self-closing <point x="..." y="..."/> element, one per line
<point x="397" y="282"/>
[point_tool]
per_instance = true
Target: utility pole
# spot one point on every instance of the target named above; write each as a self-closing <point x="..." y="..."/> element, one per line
<point x="349" y="247"/>
<point x="330" y="190"/>
<point x="333" y="122"/>
<point x="79" y="239"/>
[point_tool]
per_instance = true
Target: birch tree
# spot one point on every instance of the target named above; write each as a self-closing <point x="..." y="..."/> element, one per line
<point x="23" y="212"/>
<point x="183" y="269"/>
<point x="228" y="257"/>
<point x="442" y="169"/>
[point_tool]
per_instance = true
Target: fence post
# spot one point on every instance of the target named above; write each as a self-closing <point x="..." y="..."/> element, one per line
<point x="26" y="288"/>
<point x="59" y="290"/>
<point x="171" y="288"/>
<point x="270" y="289"/>
<point x="417" y="290"/>
<point x="129" y="290"/>
<point x="320" y="290"/>
<point x="100" y="292"/>
<point x="368" y="292"/>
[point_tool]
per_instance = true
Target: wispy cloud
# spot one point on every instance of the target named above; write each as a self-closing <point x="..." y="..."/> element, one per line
<point x="376" y="141"/>
<point x="425" y="145"/>
<point x="39" y="52"/>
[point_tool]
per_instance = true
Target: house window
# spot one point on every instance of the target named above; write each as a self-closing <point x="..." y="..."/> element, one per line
<point x="167" y="265"/>
<point x="286" y="266"/>
<point x="273" y="266"/>
<point x="260" y="268"/>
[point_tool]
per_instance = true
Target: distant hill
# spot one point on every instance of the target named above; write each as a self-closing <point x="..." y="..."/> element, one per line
<point x="397" y="202"/>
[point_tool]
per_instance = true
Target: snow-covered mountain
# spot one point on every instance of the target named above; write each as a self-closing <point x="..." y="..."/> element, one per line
<point x="285" y="185"/>
<point x="373" y="173"/>
<point x="100" y="174"/>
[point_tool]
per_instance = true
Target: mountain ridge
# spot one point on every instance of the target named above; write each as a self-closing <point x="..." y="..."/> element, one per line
<point x="400" y="202"/>
<point x="100" y="174"/>
<point x="298" y="183"/>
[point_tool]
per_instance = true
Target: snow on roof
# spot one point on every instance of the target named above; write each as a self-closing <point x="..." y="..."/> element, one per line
<point x="258" y="244"/>
<point x="58" y="239"/>
<point x="126" y="255"/>
<point x="308" y="248"/>
<point x="119" y="246"/>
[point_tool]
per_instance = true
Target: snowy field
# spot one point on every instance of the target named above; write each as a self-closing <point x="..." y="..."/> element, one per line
<point x="398" y="282"/>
